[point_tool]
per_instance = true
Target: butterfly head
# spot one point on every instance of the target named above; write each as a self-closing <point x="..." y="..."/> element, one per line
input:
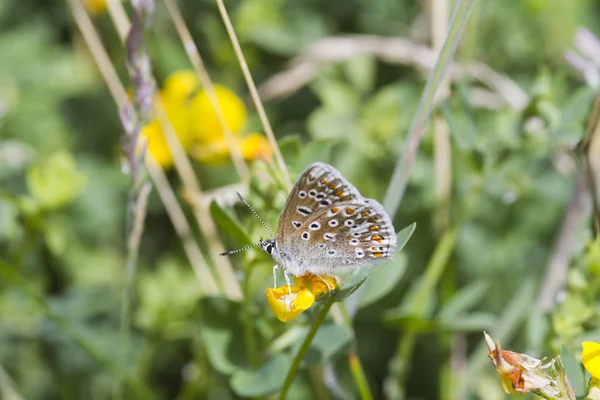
<point x="268" y="246"/>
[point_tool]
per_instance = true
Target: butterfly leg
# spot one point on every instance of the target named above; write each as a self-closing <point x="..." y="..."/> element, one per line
<point x="275" y="275"/>
<point x="287" y="280"/>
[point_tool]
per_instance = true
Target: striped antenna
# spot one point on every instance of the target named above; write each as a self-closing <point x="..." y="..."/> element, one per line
<point x="238" y="250"/>
<point x="255" y="214"/>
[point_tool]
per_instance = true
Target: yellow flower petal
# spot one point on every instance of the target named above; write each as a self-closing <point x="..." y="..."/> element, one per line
<point x="181" y="84"/>
<point x="590" y="357"/>
<point x="288" y="306"/>
<point x="256" y="146"/>
<point x="205" y="122"/>
<point x="316" y="284"/>
<point x="95" y="6"/>
<point x="157" y="144"/>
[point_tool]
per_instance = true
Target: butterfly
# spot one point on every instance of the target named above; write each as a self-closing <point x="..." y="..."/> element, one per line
<point x="327" y="227"/>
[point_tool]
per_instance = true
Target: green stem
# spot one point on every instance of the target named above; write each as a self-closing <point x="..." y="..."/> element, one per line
<point x="403" y="167"/>
<point x="419" y="300"/>
<point x="314" y="327"/>
<point x="354" y="363"/>
<point x="249" y="339"/>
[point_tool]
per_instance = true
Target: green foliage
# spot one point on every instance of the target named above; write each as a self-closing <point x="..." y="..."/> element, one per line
<point x="63" y="202"/>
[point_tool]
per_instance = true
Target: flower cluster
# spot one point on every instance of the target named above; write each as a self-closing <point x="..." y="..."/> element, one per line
<point x="288" y="302"/>
<point x="197" y="125"/>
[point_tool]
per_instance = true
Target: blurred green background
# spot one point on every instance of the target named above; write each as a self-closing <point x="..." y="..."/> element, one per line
<point x="514" y="114"/>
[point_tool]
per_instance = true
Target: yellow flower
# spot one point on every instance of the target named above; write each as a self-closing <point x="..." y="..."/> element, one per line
<point x="180" y="85"/>
<point x="316" y="284"/>
<point x="288" y="306"/>
<point x="157" y="144"/>
<point x="520" y="373"/>
<point x="256" y="146"/>
<point x="205" y="123"/>
<point x="590" y="357"/>
<point x="95" y="6"/>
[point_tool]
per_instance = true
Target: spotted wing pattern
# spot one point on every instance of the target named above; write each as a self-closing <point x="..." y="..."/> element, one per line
<point x="327" y="226"/>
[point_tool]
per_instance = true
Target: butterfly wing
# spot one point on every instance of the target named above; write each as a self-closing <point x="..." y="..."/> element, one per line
<point x="328" y="227"/>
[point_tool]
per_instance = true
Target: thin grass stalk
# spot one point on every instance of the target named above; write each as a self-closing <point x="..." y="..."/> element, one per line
<point x="399" y="365"/>
<point x="254" y="93"/>
<point x="314" y="327"/>
<point x="133" y="116"/>
<point x="207" y="226"/>
<point x="401" y="174"/>
<point x="354" y="364"/>
<point x="7" y="386"/>
<point x="9" y="274"/>
<point x="117" y="90"/>
<point x="591" y="154"/>
<point x="194" y="55"/>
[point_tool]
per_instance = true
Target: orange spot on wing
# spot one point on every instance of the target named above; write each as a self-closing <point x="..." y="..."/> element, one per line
<point x="373" y="228"/>
<point x="364" y="214"/>
<point x="350" y="211"/>
<point x="377" y="238"/>
<point x="335" y="209"/>
<point x="378" y="254"/>
<point x="339" y="193"/>
<point x="372" y="220"/>
<point x="324" y="181"/>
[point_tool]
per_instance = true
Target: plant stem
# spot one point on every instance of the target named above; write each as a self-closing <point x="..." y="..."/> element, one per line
<point x="354" y="363"/>
<point x="254" y="93"/>
<point x="401" y="174"/>
<point x="314" y="327"/>
<point x="419" y="300"/>
<point x="249" y="339"/>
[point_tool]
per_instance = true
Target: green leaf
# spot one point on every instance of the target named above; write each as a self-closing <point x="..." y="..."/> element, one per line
<point x="466" y="298"/>
<point x="316" y="150"/>
<point x="361" y="276"/>
<point x="229" y="224"/>
<point x="56" y="181"/>
<point x="404" y="235"/>
<point x="265" y="380"/>
<point x="290" y="148"/>
<point x="473" y="322"/>
<point x="574" y="371"/>
<point x="361" y="72"/>
<point x="329" y="340"/>
<point x="221" y="334"/>
<point x="383" y="281"/>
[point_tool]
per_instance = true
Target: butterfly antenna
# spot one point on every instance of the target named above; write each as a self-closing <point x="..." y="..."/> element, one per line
<point x="255" y="214"/>
<point x="238" y="250"/>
